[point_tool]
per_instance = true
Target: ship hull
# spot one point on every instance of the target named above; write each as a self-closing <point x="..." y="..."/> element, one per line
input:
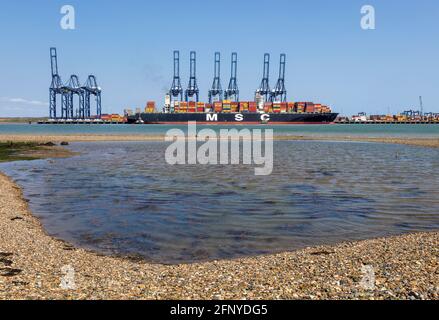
<point x="234" y="118"/>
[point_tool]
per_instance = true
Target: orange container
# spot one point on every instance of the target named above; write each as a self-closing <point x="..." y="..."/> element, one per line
<point x="268" y="107"/>
<point x="252" y="107"/>
<point x="243" y="106"/>
<point x="291" y="107"/>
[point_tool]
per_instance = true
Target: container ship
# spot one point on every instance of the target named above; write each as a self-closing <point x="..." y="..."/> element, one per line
<point x="234" y="113"/>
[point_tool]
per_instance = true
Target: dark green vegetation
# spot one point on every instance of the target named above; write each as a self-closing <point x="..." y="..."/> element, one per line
<point x="15" y="151"/>
<point x="22" y="120"/>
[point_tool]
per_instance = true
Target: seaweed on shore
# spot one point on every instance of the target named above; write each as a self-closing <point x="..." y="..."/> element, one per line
<point x="15" y="151"/>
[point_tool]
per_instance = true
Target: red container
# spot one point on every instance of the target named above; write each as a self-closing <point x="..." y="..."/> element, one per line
<point x="290" y="107"/>
<point x="243" y="106"/>
<point x="268" y="107"/>
<point x="200" y="109"/>
<point x="252" y="106"/>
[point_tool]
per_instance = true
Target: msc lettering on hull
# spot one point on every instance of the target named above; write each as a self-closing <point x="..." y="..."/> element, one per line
<point x="212" y="117"/>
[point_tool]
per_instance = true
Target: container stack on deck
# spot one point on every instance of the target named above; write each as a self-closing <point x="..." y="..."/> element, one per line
<point x="150" y="107"/>
<point x="227" y="106"/>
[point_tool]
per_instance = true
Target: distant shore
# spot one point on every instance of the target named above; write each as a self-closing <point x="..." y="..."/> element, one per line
<point x="423" y="142"/>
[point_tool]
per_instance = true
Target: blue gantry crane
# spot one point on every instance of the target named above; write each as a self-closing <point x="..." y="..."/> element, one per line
<point x="232" y="92"/>
<point x="91" y="88"/>
<point x="264" y="88"/>
<point x="68" y="91"/>
<point x="176" y="91"/>
<point x="57" y="88"/>
<point x="75" y="89"/>
<point x="216" y="93"/>
<point x="192" y="90"/>
<point x="279" y="93"/>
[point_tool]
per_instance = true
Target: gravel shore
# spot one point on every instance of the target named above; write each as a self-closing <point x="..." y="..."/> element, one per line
<point x="34" y="265"/>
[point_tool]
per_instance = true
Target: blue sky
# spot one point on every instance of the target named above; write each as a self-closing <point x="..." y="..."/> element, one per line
<point x="128" y="45"/>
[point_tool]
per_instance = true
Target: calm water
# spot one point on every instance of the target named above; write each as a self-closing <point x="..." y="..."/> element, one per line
<point x="306" y="130"/>
<point x="122" y="198"/>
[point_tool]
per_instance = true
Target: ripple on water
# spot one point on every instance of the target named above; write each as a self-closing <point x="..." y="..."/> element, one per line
<point x="123" y="198"/>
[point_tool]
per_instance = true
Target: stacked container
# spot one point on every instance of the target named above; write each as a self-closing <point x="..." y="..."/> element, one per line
<point x="227" y="106"/>
<point x="326" y="109"/>
<point x="218" y="106"/>
<point x="309" y="107"/>
<point x="243" y="107"/>
<point x="175" y="106"/>
<point x="283" y="107"/>
<point x="106" y="117"/>
<point x="235" y="107"/>
<point x="183" y="107"/>
<point x="209" y="107"/>
<point x="252" y="106"/>
<point x="116" y="118"/>
<point x="192" y="107"/>
<point x="291" y="107"/>
<point x="268" y="107"/>
<point x="276" y="107"/>
<point x="318" y="108"/>
<point x="200" y="107"/>
<point x="150" y="107"/>
<point x="300" y="107"/>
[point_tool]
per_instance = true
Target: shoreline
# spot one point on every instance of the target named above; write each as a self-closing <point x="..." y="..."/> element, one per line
<point x="422" y="142"/>
<point x="33" y="266"/>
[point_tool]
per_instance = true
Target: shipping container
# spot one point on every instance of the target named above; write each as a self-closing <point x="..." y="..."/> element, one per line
<point x="252" y="106"/>
<point x="291" y="107"/>
<point x="218" y="106"/>
<point x="268" y="107"/>
<point x="243" y="106"/>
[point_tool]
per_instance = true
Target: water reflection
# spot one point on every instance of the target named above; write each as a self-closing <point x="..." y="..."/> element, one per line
<point x="123" y="198"/>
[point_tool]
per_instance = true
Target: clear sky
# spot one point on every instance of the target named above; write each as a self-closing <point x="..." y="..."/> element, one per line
<point x="128" y="45"/>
